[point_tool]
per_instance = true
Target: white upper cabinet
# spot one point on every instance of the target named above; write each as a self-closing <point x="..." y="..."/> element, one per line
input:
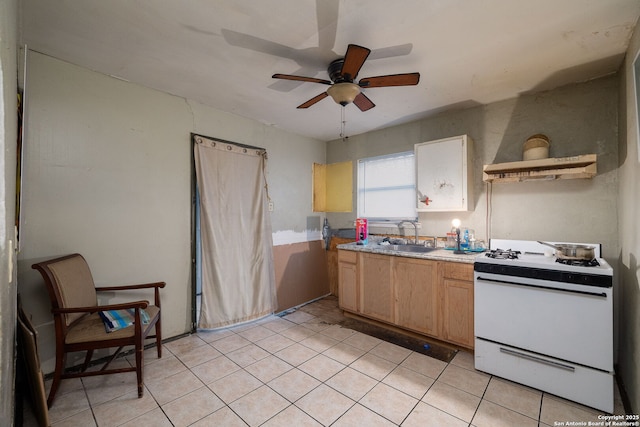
<point x="444" y="175"/>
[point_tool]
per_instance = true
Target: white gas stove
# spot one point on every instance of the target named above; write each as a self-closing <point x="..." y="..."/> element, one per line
<point x="535" y="255"/>
<point x="543" y="323"/>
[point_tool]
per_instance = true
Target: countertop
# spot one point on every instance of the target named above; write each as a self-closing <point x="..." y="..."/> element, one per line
<point x="436" y="255"/>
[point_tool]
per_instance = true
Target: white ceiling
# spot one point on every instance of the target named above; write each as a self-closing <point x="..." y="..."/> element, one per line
<point x="223" y="53"/>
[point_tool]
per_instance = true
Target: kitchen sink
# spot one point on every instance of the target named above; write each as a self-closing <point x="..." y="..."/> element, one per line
<point x="408" y="248"/>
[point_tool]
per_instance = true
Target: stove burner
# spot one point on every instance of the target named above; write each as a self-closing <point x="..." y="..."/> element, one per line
<point x="579" y="262"/>
<point x="503" y="254"/>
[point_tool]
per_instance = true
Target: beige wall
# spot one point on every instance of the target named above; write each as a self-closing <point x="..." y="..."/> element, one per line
<point x="8" y="135"/>
<point x="579" y="119"/>
<point x="628" y="269"/>
<point x="108" y="174"/>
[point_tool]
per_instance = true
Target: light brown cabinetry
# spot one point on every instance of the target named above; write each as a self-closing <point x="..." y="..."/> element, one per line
<point x="416" y="294"/>
<point x="434" y="298"/>
<point x="457" y="303"/>
<point x="376" y="287"/>
<point x="348" y="280"/>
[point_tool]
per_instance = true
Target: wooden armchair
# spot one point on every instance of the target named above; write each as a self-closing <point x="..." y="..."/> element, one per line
<point x="78" y="324"/>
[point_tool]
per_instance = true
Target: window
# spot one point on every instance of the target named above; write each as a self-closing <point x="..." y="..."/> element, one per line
<point x="387" y="187"/>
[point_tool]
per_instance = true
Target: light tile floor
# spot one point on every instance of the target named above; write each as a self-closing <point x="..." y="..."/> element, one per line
<point x="304" y="369"/>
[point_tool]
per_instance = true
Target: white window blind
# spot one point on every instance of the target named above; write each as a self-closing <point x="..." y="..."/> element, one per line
<point x="387" y="187"/>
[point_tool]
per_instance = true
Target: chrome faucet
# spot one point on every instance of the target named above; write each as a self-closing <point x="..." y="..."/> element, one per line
<point x="415" y="226"/>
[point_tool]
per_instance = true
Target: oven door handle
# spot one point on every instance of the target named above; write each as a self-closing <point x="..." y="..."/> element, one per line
<point x="572" y="291"/>
<point x="537" y="359"/>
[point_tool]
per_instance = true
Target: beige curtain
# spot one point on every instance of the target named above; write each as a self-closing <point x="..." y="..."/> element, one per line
<point x="238" y="279"/>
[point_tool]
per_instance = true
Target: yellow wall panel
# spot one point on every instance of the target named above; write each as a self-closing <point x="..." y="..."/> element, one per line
<point x="333" y="187"/>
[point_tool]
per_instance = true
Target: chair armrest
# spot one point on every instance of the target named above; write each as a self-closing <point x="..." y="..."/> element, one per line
<point x="130" y="287"/>
<point x="155" y="285"/>
<point x="95" y="308"/>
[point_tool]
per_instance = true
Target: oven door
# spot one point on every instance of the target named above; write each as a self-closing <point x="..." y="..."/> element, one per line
<point x="564" y="321"/>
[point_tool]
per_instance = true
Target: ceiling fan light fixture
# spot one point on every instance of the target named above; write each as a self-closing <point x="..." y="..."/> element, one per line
<point x="344" y="93"/>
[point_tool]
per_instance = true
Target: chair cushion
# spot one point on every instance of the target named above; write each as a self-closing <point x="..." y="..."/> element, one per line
<point x="91" y="328"/>
<point x="75" y="285"/>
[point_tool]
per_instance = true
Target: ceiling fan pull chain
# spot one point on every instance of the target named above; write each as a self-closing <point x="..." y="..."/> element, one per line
<point x="343" y="122"/>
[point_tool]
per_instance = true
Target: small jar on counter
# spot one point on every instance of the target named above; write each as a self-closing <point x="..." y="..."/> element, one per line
<point x="451" y="241"/>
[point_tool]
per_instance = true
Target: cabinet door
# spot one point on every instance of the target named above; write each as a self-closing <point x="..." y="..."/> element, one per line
<point x="444" y="174"/>
<point x="457" y="316"/>
<point x="347" y="281"/>
<point x="376" y="290"/>
<point x="415" y="283"/>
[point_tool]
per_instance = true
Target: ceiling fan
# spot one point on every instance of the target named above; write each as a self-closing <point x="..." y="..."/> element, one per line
<point x="343" y="72"/>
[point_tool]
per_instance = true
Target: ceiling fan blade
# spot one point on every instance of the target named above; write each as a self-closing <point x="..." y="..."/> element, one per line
<point x="282" y="85"/>
<point x="301" y="78"/>
<point x="353" y="60"/>
<point x="363" y="103"/>
<point x="313" y="100"/>
<point x="407" y="79"/>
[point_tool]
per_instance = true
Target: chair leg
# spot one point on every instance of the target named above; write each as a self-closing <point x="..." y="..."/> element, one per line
<point x="57" y="375"/>
<point x="140" y="367"/>
<point x="159" y="337"/>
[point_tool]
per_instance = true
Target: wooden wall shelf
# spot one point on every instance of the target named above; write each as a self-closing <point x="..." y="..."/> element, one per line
<point x="583" y="166"/>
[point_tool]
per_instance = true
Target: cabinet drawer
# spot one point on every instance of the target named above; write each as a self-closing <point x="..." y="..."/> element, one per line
<point x="347" y="256"/>
<point x="458" y="270"/>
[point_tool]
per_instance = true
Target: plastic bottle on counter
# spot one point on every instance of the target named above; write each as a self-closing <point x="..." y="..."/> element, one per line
<point x="362" y="231"/>
<point x="464" y="241"/>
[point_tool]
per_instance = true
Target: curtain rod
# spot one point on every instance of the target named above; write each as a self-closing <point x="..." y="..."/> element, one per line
<point x="224" y="141"/>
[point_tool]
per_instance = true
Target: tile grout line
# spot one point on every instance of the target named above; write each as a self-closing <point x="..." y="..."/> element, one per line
<point x="345" y="366"/>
